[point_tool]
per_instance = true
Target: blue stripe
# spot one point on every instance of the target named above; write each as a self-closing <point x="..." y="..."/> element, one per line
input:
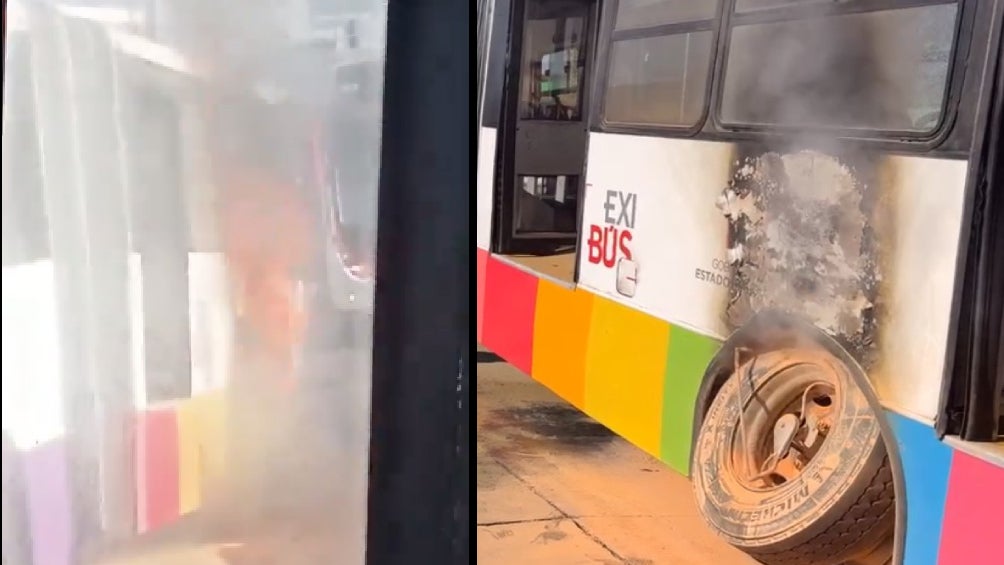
<point x="926" y="466"/>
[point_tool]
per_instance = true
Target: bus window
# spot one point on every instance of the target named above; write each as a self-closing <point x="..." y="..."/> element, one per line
<point x="553" y="61"/>
<point x="659" y="80"/>
<point x="658" y="76"/>
<point x="161" y="236"/>
<point x="882" y="70"/>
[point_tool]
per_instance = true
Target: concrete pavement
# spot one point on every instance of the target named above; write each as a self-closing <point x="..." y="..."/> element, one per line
<point x="554" y="487"/>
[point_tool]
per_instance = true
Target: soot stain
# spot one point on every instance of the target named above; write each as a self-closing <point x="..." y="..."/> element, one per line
<point x="558" y="425"/>
<point x="489" y="473"/>
<point x="488" y="357"/>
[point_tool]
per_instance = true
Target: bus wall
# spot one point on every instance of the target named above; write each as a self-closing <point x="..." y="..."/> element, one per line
<point x="157" y="460"/>
<point x="636" y="363"/>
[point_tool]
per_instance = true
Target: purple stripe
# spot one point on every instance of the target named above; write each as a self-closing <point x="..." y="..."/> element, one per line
<point x="46" y="478"/>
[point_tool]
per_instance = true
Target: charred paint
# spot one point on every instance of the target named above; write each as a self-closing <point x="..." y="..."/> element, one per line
<point x="800" y="242"/>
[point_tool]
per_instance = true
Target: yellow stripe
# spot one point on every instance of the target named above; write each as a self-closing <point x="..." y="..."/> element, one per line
<point x="625" y="372"/>
<point x="189" y="465"/>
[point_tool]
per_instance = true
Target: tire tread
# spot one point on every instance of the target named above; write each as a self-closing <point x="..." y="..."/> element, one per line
<point x="870" y="518"/>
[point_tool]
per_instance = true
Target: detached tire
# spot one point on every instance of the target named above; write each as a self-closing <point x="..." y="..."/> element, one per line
<point x="832" y="502"/>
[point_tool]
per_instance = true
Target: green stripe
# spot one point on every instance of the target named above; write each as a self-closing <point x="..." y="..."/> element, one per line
<point x="689" y="355"/>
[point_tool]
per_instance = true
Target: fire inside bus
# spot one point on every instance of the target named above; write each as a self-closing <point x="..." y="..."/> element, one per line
<point x="763" y="240"/>
<point x="189" y="260"/>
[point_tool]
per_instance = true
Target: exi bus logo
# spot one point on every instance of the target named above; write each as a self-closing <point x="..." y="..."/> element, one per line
<point x="611" y="241"/>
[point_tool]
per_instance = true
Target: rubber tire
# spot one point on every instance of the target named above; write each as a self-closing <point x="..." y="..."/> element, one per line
<point x="840" y="506"/>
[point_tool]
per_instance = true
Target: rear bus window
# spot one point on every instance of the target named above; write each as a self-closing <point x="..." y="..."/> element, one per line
<point x="882" y="70"/>
<point x="660" y="60"/>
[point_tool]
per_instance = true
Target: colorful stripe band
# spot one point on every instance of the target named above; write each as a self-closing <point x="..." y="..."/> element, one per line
<point x="640" y="375"/>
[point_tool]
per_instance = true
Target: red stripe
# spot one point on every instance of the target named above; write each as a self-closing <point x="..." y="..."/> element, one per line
<point x="509" y="310"/>
<point x="482" y="260"/>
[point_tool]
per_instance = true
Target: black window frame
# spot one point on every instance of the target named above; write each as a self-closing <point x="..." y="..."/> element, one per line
<point x="973" y="379"/>
<point x="497" y="64"/>
<point x="951" y="140"/>
<point x="609" y="35"/>
<point x="923" y="140"/>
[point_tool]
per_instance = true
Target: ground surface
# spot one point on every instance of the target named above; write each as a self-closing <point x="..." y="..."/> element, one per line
<point x="554" y="487"/>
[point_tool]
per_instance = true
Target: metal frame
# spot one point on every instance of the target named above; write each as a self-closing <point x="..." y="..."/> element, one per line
<point x="503" y="238"/>
<point x="604" y="49"/>
<point x="419" y="459"/>
<point x="486" y="15"/>
<point x="497" y="45"/>
<point x="949" y="102"/>
<point x="3" y="80"/>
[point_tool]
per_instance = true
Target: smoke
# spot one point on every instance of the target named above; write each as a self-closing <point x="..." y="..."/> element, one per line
<point x="269" y="96"/>
<point x="807" y="74"/>
<point x="868" y="71"/>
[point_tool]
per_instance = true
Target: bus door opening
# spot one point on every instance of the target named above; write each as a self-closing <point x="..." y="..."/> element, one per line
<point x="542" y="154"/>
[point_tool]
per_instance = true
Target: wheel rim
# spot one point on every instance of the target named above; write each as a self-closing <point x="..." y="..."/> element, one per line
<point x="783" y="423"/>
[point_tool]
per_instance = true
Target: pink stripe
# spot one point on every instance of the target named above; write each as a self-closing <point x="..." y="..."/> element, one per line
<point x="158" y="491"/>
<point x="482" y="268"/>
<point x="510" y="313"/>
<point x="973" y="530"/>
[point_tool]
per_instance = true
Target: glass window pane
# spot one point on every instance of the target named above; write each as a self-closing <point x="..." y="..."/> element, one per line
<point x="659" y="80"/>
<point x="880" y="70"/>
<point x="546" y="204"/>
<point x="632" y="14"/>
<point x="554" y="60"/>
